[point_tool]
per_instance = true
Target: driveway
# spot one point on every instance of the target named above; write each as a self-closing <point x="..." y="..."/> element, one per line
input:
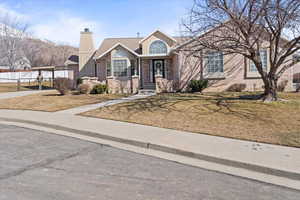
<point x="36" y="165"/>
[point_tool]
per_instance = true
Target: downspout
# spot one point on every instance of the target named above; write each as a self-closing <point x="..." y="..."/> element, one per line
<point x="140" y="73"/>
<point x="96" y="70"/>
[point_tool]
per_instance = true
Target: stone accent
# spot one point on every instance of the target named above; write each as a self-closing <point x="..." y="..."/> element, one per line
<point x="163" y="85"/>
<point x="116" y="86"/>
<point x="111" y="85"/>
<point x="90" y="80"/>
<point x="135" y="84"/>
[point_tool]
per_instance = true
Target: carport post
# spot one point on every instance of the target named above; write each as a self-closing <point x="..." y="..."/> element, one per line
<point x="40" y="79"/>
<point x="18" y="85"/>
<point x="53" y="77"/>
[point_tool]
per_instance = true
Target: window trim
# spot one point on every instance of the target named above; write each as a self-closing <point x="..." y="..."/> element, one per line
<point x="250" y="63"/>
<point x="161" y="41"/>
<point x="109" y="68"/>
<point x="120" y="72"/>
<point x="206" y="61"/>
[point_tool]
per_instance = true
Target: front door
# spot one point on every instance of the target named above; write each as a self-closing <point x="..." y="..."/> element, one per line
<point x="158" y="66"/>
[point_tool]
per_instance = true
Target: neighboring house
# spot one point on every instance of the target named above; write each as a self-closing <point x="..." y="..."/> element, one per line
<point x="157" y="62"/>
<point x="21" y="64"/>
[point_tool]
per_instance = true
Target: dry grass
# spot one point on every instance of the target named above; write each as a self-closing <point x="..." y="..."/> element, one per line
<point x="52" y="101"/>
<point x="25" y="86"/>
<point x="228" y="114"/>
<point x="10" y="87"/>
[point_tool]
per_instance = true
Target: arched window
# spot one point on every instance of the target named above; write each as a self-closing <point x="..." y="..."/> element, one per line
<point x="158" y="47"/>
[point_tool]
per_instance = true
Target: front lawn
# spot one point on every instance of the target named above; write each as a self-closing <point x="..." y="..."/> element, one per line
<point x="25" y="86"/>
<point x="53" y="101"/>
<point x="231" y="115"/>
<point x="11" y="87"/>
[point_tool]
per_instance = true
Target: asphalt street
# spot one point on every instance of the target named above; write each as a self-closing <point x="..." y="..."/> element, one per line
<point x="36" y="165"/>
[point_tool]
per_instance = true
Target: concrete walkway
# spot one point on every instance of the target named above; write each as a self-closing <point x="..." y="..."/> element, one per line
<point x="263" y="158"/>
<point x="9" y="95"/>
<point x="86" y="108"/>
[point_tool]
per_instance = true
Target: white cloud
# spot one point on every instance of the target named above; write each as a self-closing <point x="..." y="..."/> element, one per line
<point x="59" y="27"/>
<point x="171" y="28"/>
<point x="6" y="12"/>
<point x="65" y="28"/>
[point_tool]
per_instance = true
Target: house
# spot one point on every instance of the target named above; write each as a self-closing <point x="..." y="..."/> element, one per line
<point x="20" y="64"/>
<point x="156" y="62"/>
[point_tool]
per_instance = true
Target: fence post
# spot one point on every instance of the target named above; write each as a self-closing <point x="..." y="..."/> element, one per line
<point x="19" y="85"/>
<point x="40" y="85"/>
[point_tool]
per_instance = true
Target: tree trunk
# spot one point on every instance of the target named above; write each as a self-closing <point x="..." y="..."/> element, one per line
<point x="270" y="93"/>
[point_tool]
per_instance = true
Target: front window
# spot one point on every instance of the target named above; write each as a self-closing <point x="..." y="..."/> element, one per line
<point x="158" y="47"/>
<point x="120" y="68"/>
<point x="214" y="62"/>
<point x="108" y="68"/>
<point x="134" y="69"/>
<point x="264" y="60"/>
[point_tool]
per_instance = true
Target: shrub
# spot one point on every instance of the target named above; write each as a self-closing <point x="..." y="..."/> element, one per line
<point x="281" y="86"/>
<point x="198" y="85"/>
<point x="63" y="85"/>
<point x="237" y="87"/>
<point x="298" y="88"/>
<point x="79" y="81"/>
<point x="99" y="89"/>
<point x="85" y="88"/>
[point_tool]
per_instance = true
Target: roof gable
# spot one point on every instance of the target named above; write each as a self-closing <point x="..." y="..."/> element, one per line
<point x="114" y="47"/>
<point x="155" y="32"/>
<point x="130" y="43"/>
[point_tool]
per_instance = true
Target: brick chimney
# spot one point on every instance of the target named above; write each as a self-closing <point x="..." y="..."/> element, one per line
<point x="86" y="48"/>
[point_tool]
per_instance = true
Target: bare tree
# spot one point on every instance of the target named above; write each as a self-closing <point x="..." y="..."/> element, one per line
<point x="12" y="32"/>
<point x="246" y="27"/>
<point x="32" y="51"/>
<point x="46" y="53"/>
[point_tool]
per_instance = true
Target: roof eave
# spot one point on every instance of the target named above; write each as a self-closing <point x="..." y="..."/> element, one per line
<point x="144" y="39"/>
<point x="113" y="47"/>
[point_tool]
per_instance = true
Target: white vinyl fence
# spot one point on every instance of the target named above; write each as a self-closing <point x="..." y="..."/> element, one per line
<point x="13" y="77"/>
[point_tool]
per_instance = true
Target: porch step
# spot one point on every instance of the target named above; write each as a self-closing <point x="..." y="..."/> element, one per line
<point x="149" y="86"/>
<point x="147" y="92"/>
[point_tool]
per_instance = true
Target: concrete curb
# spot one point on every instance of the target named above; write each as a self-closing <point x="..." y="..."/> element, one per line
<point x="222" y="161"/>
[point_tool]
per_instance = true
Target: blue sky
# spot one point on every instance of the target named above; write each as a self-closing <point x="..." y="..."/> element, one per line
<point x="62" y="20"/>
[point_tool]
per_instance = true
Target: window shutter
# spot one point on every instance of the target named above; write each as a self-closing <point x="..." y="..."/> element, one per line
<point x="151" y="72"/>
<point x="167" y="69"/>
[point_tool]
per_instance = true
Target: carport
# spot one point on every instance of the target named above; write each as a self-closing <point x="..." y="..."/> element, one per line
<point x="45" y="68"/>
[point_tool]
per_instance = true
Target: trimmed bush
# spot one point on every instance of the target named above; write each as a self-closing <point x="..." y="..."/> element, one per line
<point x="63" y="85"/>
<point x="79" y="81"/>
<point x="85" y="88"/>
<point x="197" y="85"/>
<point x="282" y="85"/>
<point x="237" y="87"/>
<point x="99" y="89"/>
